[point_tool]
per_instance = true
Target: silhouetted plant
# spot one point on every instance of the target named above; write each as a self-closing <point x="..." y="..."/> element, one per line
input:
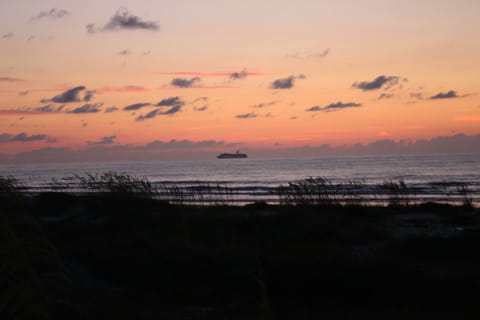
<point x="353" y="192"/>
<point x="309" y="191"/>
<point x="172" y="194"/>
<point x="10" y="185"/>
<point x="398" y="192"/>
<point x="59" y="185"/>
<point x="115" y="184"/>
<point x="10" y="192"/>
<point x="464" y="192"/>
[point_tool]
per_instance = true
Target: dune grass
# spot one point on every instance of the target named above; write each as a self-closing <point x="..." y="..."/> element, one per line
<point x="317" y="191"/>
<point x="125" y="252"/>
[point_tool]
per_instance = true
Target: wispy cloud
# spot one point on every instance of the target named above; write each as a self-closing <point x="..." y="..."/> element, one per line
<point x="136" y="106"/>
<point x="24" y="137"/>
<point x="103" y="141"/>
<point x="184" y="82"/>
<point x="25" y="92"/>
<point x="380" y="82"/>
<point x="285" y="83"/>
<point x="385" y="96"/>
<point x="150" y="115"/>
<point x="265" y="104"/>
<point x="111" y="109"/>
<point x="249" y="115"/>
<point x="309" y="55"/>
<point x="172" y="101"/>
<point x="13" y="80"/>
<point x="452" y="94"/>
<point x="159" y="112"/>
<point x="200" y="99"/>
<point x="416" y="95"/>
<point x="334" y="107"/>
<point x="8" y="35"/>
<point x="239" y="75"/>
<point x="200" y="109"/>
<point x="124" y="89"/>
<point x="173" y="110"/>
<point x="53" y="14"/>
<point x="46" y="109"/>
<point x="87" y="108"/>
<point x="203" y="107"/>
<point x="124" y="20"/>
<point x="70" y="96"/>
<point x="219" y="74"/>
<point x="125" y="52"/>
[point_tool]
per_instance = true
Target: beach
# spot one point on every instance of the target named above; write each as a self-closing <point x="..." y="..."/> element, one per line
<point x="118" y="255"/>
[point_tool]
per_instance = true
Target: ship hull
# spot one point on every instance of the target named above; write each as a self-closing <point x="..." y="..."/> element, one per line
<point x="232" y="156"/>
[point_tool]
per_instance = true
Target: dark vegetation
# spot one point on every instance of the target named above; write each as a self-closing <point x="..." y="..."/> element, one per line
<point x="120" y="253"/>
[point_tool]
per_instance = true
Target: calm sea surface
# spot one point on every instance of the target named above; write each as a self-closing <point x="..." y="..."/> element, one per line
<point x="431" y="173"/>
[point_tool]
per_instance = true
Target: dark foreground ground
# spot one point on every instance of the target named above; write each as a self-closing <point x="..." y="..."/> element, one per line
<point x="73" y="257"/>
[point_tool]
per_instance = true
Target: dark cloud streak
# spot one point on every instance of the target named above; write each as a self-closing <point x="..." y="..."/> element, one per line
<point x="265" y="104"/>
<point x="87" y="108"/>
<point x="249" y="115"/>
<point x="70" y="96"/>
<point x="334" y="107"/>
<point x="136" y="106"/>
<point x="239" y="75"/>
<point x="445" y="95"/>
<point x="184" y="83"/>
<point x="103" y="141"/>
<point x="378" y="83"/>
<point x="159" y="112"/>
<point x="285" y="83"/>
<point x="172" y="101"/>
<point x="24" y="137"/>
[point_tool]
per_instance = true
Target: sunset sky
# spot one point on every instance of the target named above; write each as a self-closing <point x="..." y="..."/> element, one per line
<point x="166" y="79"/>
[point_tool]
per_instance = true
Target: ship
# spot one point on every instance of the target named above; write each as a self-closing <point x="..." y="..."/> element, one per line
<point x="236" y="155"/>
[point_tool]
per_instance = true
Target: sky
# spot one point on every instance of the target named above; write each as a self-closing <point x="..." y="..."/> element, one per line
<point x="184" y="79"/>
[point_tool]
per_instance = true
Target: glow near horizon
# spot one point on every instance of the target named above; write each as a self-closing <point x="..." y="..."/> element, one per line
<point x="433" y="44"/>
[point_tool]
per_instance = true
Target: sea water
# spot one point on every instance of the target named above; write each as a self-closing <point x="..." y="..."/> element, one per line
<point x="256" y="178"/>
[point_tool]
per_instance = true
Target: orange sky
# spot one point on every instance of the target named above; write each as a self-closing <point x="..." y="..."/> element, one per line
<point x="247" y="75"/>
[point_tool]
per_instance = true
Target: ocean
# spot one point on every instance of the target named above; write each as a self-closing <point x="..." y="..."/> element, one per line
<point x="432" y="177"/>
